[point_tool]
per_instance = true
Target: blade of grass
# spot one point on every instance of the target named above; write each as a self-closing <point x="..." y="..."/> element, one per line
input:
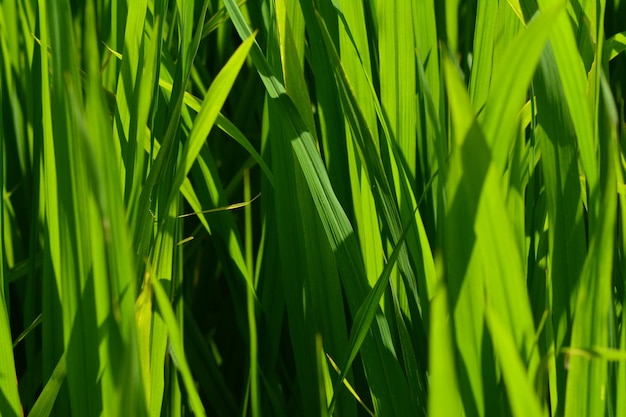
<point x="353" y="48"/>
<point x="337" y="228"/>
<point x="303" y="249"/>
<point x="519" y="383"/>
<point x="227" y="127"/>
<point x="10" y="404"/>
<point x="509" y="87"/>
<point x="616" y="44"/>
<point x="77" y="313"/>
<point x="482" y="55"/>
<point x="464" y="283"/>
<point x="331" y="121"/>
<point x="420" y="258"/>
<point x="207" y="115"/>
<point x="560" y="174"/>
<point x="323" y="378"/>
<point x="132" y="104"/>
<point x="444" y="398"/>
<point x="368" y="310"/>
<point x="179" y="358"/>
<point x="477" y="208"/>
<point x="573" y="76"/>
<point x="430" y="108"/>
<point x="45" y="402"/>
<point x="122" y="387"/>
<point x="591" y="323"/>
<point x="524" y="54"/>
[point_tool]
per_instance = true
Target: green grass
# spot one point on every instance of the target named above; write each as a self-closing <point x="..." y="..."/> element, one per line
<point x="312" y="208"/>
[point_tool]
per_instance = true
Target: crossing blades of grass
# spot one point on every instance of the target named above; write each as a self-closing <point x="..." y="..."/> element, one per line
<point x="381" y="365"/>
<point x="367" y="312"/>
<point x="561" y="179"/>
<point x="208" y="113"/>
<point x="572" y="74"/>
<point x="416" y="259"/>
<point x="592" y="322"/>
<point x="68" y="255"/>
<point x="478" y="264"/>
<point x="122" y="388"/>
<point x="509" y="87"/>
<point x="352" y="46"/>
<point x="305" y="253"/>
<point x="202" y="125"/>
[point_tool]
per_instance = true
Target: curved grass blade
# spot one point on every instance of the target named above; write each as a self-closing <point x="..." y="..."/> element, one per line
<point x="45" y="402"/>
<point x="509" y="87"/>
<point x="213" y="101"/>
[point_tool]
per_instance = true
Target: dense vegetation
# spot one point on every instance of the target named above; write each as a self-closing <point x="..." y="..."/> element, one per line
<point x="312" y="208"/>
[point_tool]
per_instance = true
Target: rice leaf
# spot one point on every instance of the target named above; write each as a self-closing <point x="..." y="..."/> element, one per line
<point x="168" y="315"/>
<point x="11" y="404"/>
<point x="45" y="403"/>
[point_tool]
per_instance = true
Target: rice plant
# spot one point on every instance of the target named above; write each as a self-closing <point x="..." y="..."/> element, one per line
<point x="312" y="208"/>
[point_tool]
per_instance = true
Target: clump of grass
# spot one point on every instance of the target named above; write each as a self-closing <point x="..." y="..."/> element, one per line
<point x="437" y="228"/>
